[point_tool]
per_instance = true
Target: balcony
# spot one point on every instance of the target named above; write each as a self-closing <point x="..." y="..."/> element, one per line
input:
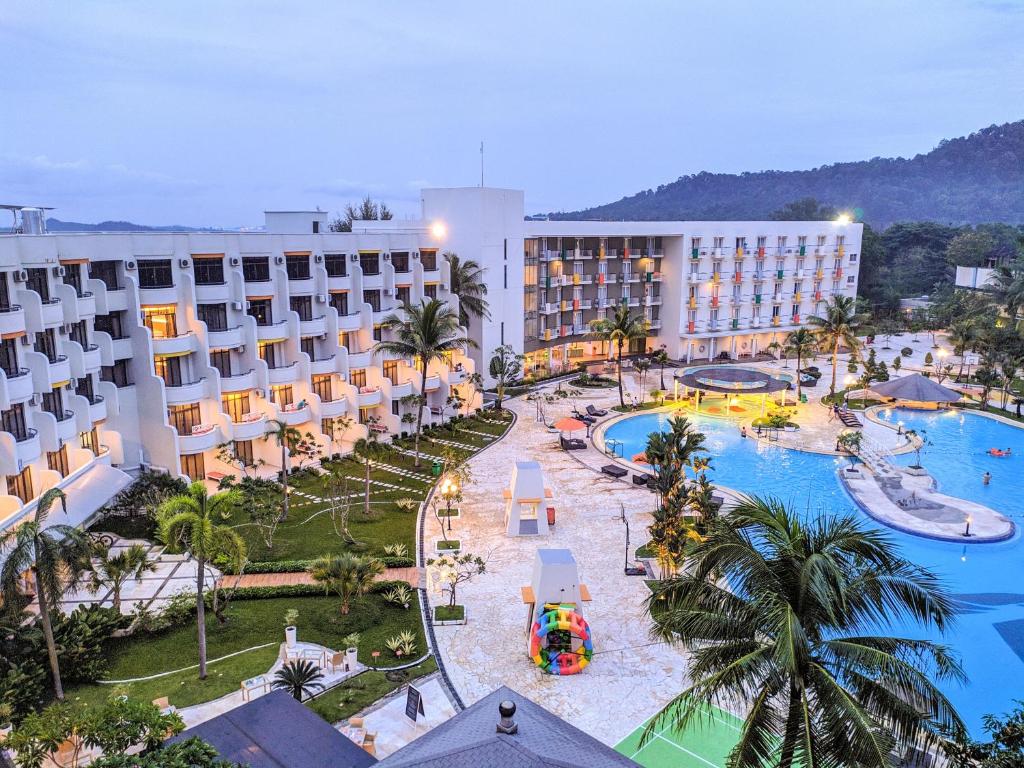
<point x="755" y="322"/>
<point x="351" y="322"/>
<point x="91" y="358"/>
<point x="176" y="345"/>
<point x="253" y="425"/>
<point x="433" y="383"/>
<point x="369" y="396"/>
<point x="164" y="295"/>
<point x="293" y="415"/>
<point x="548" y="308"/>
<point x="272" y="332"/>
<point x="360" y="359"/>
<point x="52" y="313"/>
<point x="652" y="301"/>
<point x="12" y="319"/>
<point x="86" y="305"/>
<point x="238" y="382"/>
<point x="331" y="409"/>
<point x="185" y="393"/>
<point x="229" y="338"/>
<point x="339" y="283"/>
<point x="27" y="447"/>
<point x="457" y="376"/>
<point x="67" y="425"/>
<point x="399" y="391"/>
<point x="696" y="277"/>
<point x="19" y="385"/>
<point x="324" y="365"/>
<point x="217" y="293"/>
<point x="284" y="374"/>
<point x="203" y="438"/>
<point x="97" y="409"/>
<point x="59" y="370"/>
<point x="121" y="349"/>
<point x="315" y="327"/>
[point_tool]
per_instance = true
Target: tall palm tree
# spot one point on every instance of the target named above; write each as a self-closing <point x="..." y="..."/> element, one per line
<point x="839" y="325"/>
<point x="300" y="678"/>
<point x="776" y="612"/>
<point x="114" y="571"/>
<point x="287" y="438"/>
<point x="465" y="280"/>
<point x="1007" y="284"/>
<point x="428" y="331"/>
<point x="619" y="330"/>
<point x="371" y="449"/>
<point x="189" y="520"/>
<point x="505" y="367"/>
<point x="54" y="556"/>
<point x="346" y="575"/>
<point x="800" y="342"/>
<point x="962" y="334"/>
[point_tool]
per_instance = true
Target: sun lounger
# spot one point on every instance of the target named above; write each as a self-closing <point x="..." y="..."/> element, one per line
<point x="614" y="470"/>
<point x="572" y="444"/>
<point x="596" y="411"/>
<point x="583" y="417"/>
<point x="641" y="478"/>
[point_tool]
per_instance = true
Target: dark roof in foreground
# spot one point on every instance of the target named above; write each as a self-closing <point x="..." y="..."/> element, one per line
<point x="276" y="731"/>
<point x="469" y="740"/>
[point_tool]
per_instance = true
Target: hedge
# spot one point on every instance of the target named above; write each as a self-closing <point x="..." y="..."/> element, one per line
<point x="297" y="566"/>
<point x="304" y="590"/>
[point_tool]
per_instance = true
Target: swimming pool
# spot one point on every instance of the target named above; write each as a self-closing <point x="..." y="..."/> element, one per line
<point x="987" y="578"/>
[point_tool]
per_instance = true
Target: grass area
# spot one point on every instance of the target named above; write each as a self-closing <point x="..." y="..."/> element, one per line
<point x="250" y="622"/>
<point x="450" y="545"/>
<point x="859" y="403"/>
<point x="645" y="406"/>
<point x="1011" y="415"/>
<point x="449" y="613"/>
<point x="359" y="692"/>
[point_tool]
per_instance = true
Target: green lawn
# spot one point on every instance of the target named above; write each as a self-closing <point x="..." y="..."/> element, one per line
<point x="250" y="622"/>
<point x="357" y="693"/>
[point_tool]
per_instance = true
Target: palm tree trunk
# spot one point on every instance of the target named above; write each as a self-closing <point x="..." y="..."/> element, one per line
<point x="51" y="646"/>
<point x="622" y="399"/>
<point x="788" y="751"/>
<point x="799" y="365"/>
<point x="116" y="597"/>
<point x="201" y="615"/>
<point x="419" y="412"/>
<point x="366" y="488"/>
<point x="835" y="365"/>
<point x="284" y="476"/>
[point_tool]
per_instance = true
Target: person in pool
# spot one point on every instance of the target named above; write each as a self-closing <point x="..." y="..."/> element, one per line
<point x="986" y="478"/>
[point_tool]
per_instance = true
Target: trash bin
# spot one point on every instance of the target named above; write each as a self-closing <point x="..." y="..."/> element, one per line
<point x="435" y="470"/>
<point x="551" y="516"/>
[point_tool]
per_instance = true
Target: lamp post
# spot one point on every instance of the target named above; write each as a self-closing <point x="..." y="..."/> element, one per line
<point x="449" y="491"/>
<point x="940" y="358"/>
<point x="899" y="429"/>
<point x="967" y="529"/>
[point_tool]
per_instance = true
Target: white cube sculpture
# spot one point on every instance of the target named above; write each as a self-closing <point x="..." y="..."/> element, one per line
<point x="526" y="508"/>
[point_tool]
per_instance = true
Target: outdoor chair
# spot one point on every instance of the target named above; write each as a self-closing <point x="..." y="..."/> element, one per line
<point x="596" y="411"/>
<point x="614" y="470"/>
<point x="583" y="417"/>
<point x="338" y="660"/>
<point x="641" y="478"/>
<point x="572" y="444"/>
<point x="370" y="743"/>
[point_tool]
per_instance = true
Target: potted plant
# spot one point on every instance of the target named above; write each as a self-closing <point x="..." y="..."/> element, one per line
<point x="351" y="644"/>
<point x="291" y="617"/>
<point x="453" y="570"/>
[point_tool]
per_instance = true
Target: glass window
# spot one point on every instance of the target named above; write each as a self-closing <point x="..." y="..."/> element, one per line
<point x="303" y="305"/>
<point x="282" y="395"/>
<point x="256" y="269"/>
<point x="58" y="460"/>
<point x="117" y="374"/>
<point x="307" y="344"/>
<point x="53" y="404"/>
<point x="84" y="387"/>
<point x="111" y="324"/>
<point x="193" y="466"/>
<point x="214" y="315"/>
<point x="38" y="282"/>
<point x="73" y="277"/>
<point x="391" y="370"/>
<point x="13" y="420"/>
<point x="208" y="271"/>
<point x="340" y="302"/>
<point x="169" y="369"/>
<point x="429" y="260"/>
<point x="235" y="405"/>
<point x="161" y="320"/>
<point x="184" y="417"/>
<point x="221" y="360"/>
<point x="370" y="263"/>
<point x="46" y="343"/>
<point x="155" y="273"/>
<point x="430" y="291"/>
<point x="268" y="353"/>
<point x="90" y="441"/>
<point x="9" y="357"/>
<point x="20" y="485"/>
<point x="244" y="452"/>
<point x="5" y="293"/>
<point x="373" y="299"/>
<point x="106" y="271"/>
<point x="322" y="387"/>
<point x="400" y="261"/>
<point x="262" y="310"/>
<point x="402" y="294"/>
<point x="358" y="377"/>
<point x="336" y="264"/>
<point x="297" y="267"/>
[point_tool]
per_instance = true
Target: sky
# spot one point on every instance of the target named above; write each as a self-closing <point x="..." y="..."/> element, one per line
<point x="207" y="113"/>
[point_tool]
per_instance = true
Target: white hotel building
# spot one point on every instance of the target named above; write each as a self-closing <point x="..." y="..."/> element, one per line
<point x="126" y="350"/>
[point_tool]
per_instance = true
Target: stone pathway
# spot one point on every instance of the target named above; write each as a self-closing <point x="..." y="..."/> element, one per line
<point x="401" y="472"/>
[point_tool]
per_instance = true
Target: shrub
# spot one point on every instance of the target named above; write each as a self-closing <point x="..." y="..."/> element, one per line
<point x="906" y="352"/>
<point x="402" y="644"/>
<point x="141" y="498"/>
<point x="396" y="550"/>
<point x="928" y="359"/>
<point x="400" y="595"/>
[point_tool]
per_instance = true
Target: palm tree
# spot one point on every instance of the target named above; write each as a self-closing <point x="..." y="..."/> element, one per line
<point x="287" y="438"/>
<point x="465" y="280"/>
<point x="505" y="367"/>
<point x="371" y="449"/>
<point x="660" y="358"/>
<point x="800" y="342"/>
<point x="962" y="334"/>
<point x="642" y="366"/>
<point x="429" y="331"/>
<point x="189" y="520"/>
<point x="114" y="571"/>
<point x="300" y="678"/>
<point x="55" y="556"/>
<point x="619" y="330"/>
<point x="776" y="611"/>
<point x="346" y="575"/>
<point x="1007" y="284"/>
<point x="838" y="326"/>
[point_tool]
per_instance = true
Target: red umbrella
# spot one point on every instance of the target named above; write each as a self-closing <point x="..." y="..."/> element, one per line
<point x="640" y="458"/>
<point x="569" y="424"/>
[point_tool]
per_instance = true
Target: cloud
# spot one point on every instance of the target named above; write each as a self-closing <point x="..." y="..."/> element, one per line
<point x="357" y="190"/>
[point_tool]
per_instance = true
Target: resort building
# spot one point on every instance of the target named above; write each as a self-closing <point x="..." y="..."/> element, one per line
<point x="121" y="351"/>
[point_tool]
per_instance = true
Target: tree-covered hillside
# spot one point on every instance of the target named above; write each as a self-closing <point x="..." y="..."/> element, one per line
<point x="969" y="180"/>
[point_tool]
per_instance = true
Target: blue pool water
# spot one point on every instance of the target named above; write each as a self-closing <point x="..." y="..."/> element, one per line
<point x="988" y="579"/>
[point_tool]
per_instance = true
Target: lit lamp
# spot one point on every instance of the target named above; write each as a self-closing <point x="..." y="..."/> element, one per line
<point x="843" y="218"/>
<point x="438" y="230"/>
<point x="899" y="425"/>
<point x="449" y="492"/>
<point x="967" y="530"/>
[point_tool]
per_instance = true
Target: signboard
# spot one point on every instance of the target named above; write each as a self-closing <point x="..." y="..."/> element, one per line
<point x="413" y="703"/>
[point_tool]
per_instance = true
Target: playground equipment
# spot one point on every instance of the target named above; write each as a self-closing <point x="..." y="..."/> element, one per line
<point x="560" y="640"/>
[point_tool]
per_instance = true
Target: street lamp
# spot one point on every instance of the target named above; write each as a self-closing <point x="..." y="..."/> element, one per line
<point x="967" y="530"/>
<point x="449" y="492"/>
<point x="847" y="383"/>
<point x="899" y="425"/>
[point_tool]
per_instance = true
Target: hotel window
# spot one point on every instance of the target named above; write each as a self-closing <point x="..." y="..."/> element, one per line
<point x="373" y="299"/>
<point x="429" y="260"/>
<point x="262" y="310"/>
<point x="322" y="387"/>
<point x="369" y="263"/>
<point x="208" y="271"/>
<point x="762" y="241"/>
<point x="303" y="305"/>
<point x="430" y="291"/>
<point x="161" y="321"/>
<point x="79" y="334"/>
<point x="90" y="441"/>
<point x="340" y="303"/>
<point x="719" y="242"/>
<point x="9" y="357"/>
<point x="357" y="377"/>
<point x="821" y="240"/>
<point x="214" y="315"/>
<point x="184" y="417"/>
<point x="106" y="272"/>
<point x="5" y="293"/>
<point x="58" y="461"/>
<point x="345" y="340"/>
<point x="117" y="374"/>
<point x="695" y="242"/>
<point x="221" y="360"/>
<point x="801" y="240"/>
<point x="396" y="407"/>
<point x="112" y="324"/>
<point x="193" y="466"/>
<point x="853" y="258"/>
<point x="400" y="261"/>
<point x="782" y="241"/>
<point x="776" y="311"/>
<point x="840" y="239"/>
<point x="282" y="395"/>
<point x="269" y="354"/>
<point x="155" y="273"/>
<point x="169" y="369"/>
<point x="255" y="269"/>
<point x="20" y="485"/>
<point x="53" y="404"/>
<point x="741" y="242"/>
<point x="851" y="279"/>
<point x="73" y="277"/>
<point x="235" y="405"/>
<point x="46" y="344"/>
<point x="391" y="371"/>
<point x="378" y="333"/>
<point x="39" y="282"/>
<point x="244" y="452"/>
<point x="297" y="267"/>
<point x="402" y="294"/>
<point x="13" y="421"/>
<point x="307" y="344"/>
<point x="336" y="264"/>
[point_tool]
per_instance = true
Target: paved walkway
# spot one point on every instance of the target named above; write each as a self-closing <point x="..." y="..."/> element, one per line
<point x="411" y="575"/>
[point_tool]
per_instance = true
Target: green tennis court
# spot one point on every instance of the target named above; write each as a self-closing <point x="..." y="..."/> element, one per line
<point x="705" y="743"/>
